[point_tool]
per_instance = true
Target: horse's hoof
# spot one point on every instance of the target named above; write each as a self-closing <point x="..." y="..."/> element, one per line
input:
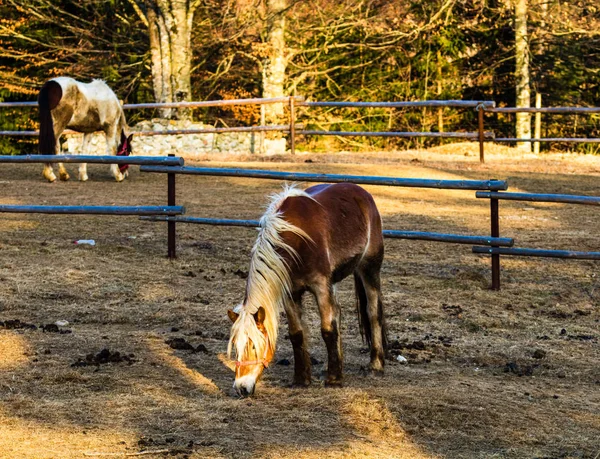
<point x="50" y="177"/>
<point x="65" y="177"/>
<point x="119" y="178"/>
<point x="333" y="382"/>
<point x="300" y="384"/>
<point x="83" y="178"/>
<point x="376" y="372"/>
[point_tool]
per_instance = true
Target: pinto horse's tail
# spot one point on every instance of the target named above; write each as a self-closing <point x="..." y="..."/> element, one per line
<point x="49" y="97"/>
<point x="364" y="320"/>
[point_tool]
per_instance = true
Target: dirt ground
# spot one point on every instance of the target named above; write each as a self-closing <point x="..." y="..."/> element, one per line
<point x="506" y="374"/>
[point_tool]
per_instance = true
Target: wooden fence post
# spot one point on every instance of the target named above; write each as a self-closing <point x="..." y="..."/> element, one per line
<point x="481" y="133"/>
<point x="495" y="227"/>
<point x="292" y="126"/>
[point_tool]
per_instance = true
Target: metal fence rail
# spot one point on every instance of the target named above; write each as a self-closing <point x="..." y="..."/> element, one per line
<point x="334" y="178"/>
<point x="107" y="159"/>
<point x="523" y="252"/>
<point x="94" y="210"/>
<point x="540" y="197"/>
<point x="393" y="234"/>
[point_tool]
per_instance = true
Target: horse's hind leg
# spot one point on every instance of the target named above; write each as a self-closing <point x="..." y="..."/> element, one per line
<point x="48" y="173"/>
<point x="330" y="330"/>
<point x="299" y="339"/>
<point x="372" y="312"/>
<point x="83" y="177"/>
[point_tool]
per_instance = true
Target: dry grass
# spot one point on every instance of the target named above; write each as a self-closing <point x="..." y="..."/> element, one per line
<point x="471" y="389"/>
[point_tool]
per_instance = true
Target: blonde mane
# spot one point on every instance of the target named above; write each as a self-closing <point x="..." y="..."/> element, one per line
<point x="268" y="285"/>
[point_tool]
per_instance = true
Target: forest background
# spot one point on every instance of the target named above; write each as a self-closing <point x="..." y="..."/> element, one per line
<point x="509" y="52"/>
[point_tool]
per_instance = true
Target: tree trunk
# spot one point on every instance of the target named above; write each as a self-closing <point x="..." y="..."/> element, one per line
<point x="523" y="123"/>
<point x="274" y="67"/>
<point x="170" y="27"/>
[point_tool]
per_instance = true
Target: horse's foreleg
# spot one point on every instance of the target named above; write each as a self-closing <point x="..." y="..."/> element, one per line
<point x="299" y="339"/>
<point x="119" y="177"/>
<point x="330" y="330"/>
<point x="111" y="149"/>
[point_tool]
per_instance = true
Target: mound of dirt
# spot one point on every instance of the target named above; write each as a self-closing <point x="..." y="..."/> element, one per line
<point x="103" y="357"/>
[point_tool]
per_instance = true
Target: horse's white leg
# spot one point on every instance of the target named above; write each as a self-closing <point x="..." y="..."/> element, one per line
<point x="111" y="149"/>
<point x="62" y="172"/>
<point x="119" y="177"/>
<point x="48" y="173"/>
<point x="84" y="149"/>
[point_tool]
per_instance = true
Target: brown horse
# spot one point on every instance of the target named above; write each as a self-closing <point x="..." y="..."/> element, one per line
<point x="309" y="241"/>
<point x="84" y="107"/>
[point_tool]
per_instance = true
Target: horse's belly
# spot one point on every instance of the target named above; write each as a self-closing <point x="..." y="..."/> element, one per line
<point x="90" y="123"/>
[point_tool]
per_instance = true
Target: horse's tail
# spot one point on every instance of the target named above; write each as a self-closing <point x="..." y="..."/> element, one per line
<point x="364" y="322"/>
<point x="48" y="99"/>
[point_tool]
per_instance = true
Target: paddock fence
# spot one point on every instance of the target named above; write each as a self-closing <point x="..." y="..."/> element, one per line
<point x="490" y="185"/>
<point x="171" y="209"/>
<point x="294" y="129"/>
<point x="494" y="245"/>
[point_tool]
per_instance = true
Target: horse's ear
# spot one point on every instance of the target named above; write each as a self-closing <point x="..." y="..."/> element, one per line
<point x="129" y="138"/>
<point x="259" y="316"/>
<point x="233" y="316"/>
<point x="123" y="137"/>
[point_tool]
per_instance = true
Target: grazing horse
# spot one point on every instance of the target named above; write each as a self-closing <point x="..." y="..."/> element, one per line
<point x="309" y="241"/>
<point x="84" y="107"/>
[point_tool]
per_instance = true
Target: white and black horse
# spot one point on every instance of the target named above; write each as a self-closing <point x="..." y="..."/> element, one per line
<point x="83" y="107"/>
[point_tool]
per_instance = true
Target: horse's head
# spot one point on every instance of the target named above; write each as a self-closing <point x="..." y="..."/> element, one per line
<point x="253" y="349"/>
<point x="124" y="149"/>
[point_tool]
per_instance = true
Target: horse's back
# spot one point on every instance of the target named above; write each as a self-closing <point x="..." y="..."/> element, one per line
<point x="89" y="106"/>
<point x="341" y="219"/>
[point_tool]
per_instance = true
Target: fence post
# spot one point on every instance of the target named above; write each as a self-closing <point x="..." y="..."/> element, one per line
<point x="171" y="199"/>
<point x="495" y="227"/>
<point x="538" y="123"/>
<point x="481" y="133"/>
<point x="261" y="147"/>
<point x="292" y="126"/>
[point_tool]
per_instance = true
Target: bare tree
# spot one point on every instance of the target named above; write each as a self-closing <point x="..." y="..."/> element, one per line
<point x="523" y="123"/>
<point x="169" y="25"/>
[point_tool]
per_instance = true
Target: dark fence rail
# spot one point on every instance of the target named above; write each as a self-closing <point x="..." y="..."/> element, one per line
<point x="393" y="234"/>
<point x="333" y="178"/>
<point x="107" y="159"/>
<point x="523" y="252"/>
<point x="538" y="197"/>
<point x="94" y="210"/>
